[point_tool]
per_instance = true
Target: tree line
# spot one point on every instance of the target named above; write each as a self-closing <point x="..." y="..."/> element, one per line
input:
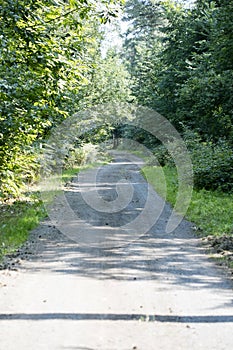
<point x="181" y="63"/>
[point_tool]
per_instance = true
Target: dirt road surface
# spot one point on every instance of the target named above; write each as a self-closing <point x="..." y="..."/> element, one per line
<point x="141" y="291"/>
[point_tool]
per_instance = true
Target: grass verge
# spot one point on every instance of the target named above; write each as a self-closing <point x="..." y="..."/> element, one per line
<point x="17" y="220"/>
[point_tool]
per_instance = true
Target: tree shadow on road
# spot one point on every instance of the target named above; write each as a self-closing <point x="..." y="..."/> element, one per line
<point x="177" y="259"/>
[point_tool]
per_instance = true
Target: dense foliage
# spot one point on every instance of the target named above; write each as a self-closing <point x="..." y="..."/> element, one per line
<point x="50" y="60"/>
<point x="181" y="63"/>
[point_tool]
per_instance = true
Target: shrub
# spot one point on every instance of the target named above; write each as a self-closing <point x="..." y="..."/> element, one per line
<point x="212" y="163"/>
<point x="88" y="153"/>
<point x="20" y="170"/>
<point x="213" y="166"/>
<point x="161" y="157"/>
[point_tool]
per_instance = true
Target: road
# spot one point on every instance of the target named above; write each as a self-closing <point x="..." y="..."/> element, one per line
<point x="114" y="286"/>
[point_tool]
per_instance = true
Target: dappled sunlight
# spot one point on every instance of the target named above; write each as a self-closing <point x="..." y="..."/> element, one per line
<point x="171" y="260"/>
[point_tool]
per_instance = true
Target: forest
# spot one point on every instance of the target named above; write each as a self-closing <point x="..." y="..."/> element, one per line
<point x="180" y="60"/>
<point x="176" y="58"/>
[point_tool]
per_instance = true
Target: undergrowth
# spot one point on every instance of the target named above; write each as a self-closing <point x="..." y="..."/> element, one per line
<point x="17" y="219"/>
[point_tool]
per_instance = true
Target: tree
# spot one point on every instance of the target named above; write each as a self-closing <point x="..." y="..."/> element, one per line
<point x="180" y="61"/>
<point x="45" y="52"/>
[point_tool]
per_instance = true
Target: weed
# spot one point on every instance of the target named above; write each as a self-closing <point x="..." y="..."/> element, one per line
<point x="16" y="221"/>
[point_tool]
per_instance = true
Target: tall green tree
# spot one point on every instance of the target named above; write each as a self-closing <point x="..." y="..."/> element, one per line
<point x="180" y="60"/>
<point x="46" y="49"/>
<point x="141" y="48"/>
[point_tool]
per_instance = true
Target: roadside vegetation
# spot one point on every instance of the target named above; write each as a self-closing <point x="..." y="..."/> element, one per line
<point x="17" y="220"/>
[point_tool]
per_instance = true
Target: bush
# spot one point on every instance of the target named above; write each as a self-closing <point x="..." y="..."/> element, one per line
<point x="87" y="153"/>
<point x="161" y="157"/>
<point x="20" y="170"/>
<point x="213" y="166"/>
<point x="212" y="163"/>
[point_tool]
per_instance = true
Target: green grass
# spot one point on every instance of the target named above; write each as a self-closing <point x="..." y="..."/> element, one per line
<point x="210" y="211"/>
<point x="17" y="220"/>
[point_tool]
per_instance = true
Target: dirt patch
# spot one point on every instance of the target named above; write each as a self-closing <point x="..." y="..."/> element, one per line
<point x="14" y="260"/>
<point x="221" y="248"/>
<point x="223" y="244"/>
